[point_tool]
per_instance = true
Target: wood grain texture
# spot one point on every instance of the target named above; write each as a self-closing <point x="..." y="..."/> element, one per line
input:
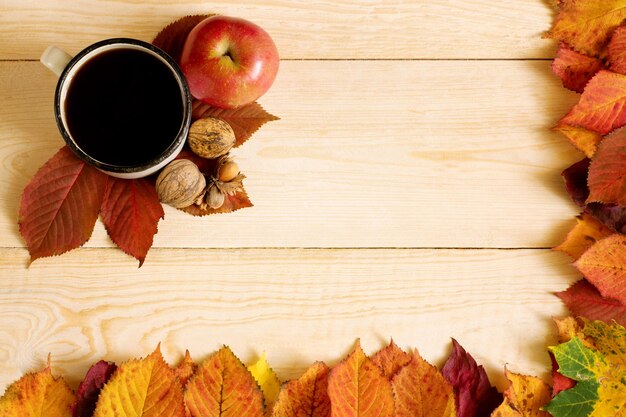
<point x="297" y="305"/>
<point x="302" y="29"/>
<point x="433" y="154"/>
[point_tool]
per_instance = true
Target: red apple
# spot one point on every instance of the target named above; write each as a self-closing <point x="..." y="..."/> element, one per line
<point x="229" y="62"/>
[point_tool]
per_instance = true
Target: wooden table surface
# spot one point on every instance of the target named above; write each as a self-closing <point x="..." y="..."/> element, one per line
<point x="411" y="190"/>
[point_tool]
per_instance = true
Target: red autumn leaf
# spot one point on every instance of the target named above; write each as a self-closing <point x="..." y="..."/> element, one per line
<point x="131" y="211"/>
<point x="244" y="120"/>
<point x="584" y="300"/>
<point x="206" y="166"/>
<point x="172" y="38"/>
<point x="185" y="369"/>
<point x="587" y="25"/>
<point x="575" y="69"/>
<point x="602" y="106"/>
<point x="607" y="172"/>
<point x="60" y="205"/>
<point x="588" y="231"/>
<point x="421" y="391"/>
<point x="391" y="359"/>
<point x="617" y="50"/>
<point x="559" y="381"/>
<point x="307" y="396"/>
<point x="89" y="389"/>
<point x="358" y="388"/>
<point x="223" y="387"/>
<point x="611" y="215"/>
<point x="474" y="395"/>
<point x="604" y="266"/>
<point x="584" y="140"/>
<point x="576" y="181"/>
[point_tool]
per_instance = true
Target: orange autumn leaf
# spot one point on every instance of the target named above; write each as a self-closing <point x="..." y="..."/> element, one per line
<point x="604" y="265"/>
<point x="223" y="387"/>
<point x="420" y="390"/>
<point x="525" y="397"/>
<point x="358" y="388"/>
<point x="607" y="171"/>
<point x="574" y="69"/>
<point x="617" y="50"/>
<point x="185" y="369"/>
<point x="584" y="235"/>
<point x="306" y="396"/>
<point x="567" y="329"/>
<point x="142" y="388"/>
<point x="587" y="25"/>
<point x="602" y="107"/>
<point x="391" y="359"/>
<point x="584" y="140"/>
<point x="37" y="395"/>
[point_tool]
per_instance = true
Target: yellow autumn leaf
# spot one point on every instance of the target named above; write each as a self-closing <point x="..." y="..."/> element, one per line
<point x="142" y="388"/>
<point x="267" y="379"/>
<point x="584" y="140"/>
<point x="587" y="231"/>
<point x="37" y="395"/>
<point x="586" y="25"/>
<point x="525" y="397"/>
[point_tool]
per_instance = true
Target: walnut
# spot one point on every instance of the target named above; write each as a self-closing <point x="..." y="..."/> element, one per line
<point x="180" y="184"/>
<point x="211" y="137"/>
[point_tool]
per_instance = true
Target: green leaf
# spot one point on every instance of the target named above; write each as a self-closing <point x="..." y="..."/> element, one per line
<point x="576" y="360"/>
<point x="576" y="402"/>
<point x="596" y="359"/>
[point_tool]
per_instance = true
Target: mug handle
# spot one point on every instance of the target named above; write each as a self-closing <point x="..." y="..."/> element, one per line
<point x="55" y="59"/>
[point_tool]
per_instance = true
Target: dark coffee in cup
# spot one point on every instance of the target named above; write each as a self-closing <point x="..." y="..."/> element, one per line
<point x="123" y="107"/>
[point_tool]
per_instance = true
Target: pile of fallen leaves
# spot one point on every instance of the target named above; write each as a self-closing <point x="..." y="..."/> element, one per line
<point x="392" y="383"/>
<point x="60" y="205"/>
<point x="591" y="60"/>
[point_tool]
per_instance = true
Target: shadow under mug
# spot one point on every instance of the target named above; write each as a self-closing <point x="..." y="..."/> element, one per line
<point x="66" y="67"/>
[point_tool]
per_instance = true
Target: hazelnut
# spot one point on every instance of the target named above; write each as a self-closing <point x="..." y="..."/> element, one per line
<point x="227" y="171"/>
<point x="215" y="197"/>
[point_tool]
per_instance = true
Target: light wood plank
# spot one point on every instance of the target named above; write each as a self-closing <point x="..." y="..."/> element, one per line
<point x="297" y="305"/>
<point x="433" y="154"/>
<point x="333" y="29"/>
